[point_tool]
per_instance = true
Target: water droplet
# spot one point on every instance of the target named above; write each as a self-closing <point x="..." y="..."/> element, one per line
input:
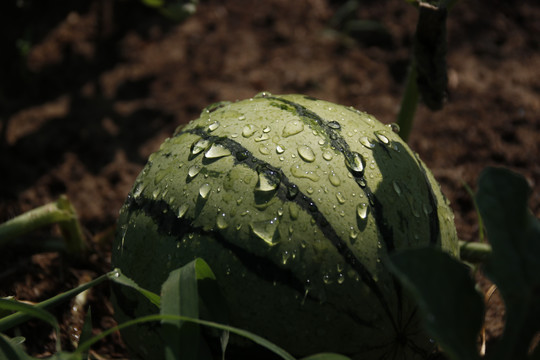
<point x="263" y="94"/>
<point x="242" y="155"/>
<point x="298" y="172"/>
<point x="213" y="126"/>
<point x="155" y="193"/>
<point x="221" y="221"/>
<point x="292" y="128"/>
<point x="213" y="107"/>
<point x="334" y="178"/>
<point x="217" y="151"/>
<point x="362" y="210"/>
<point x="264" y="150"/>
<point x="326" y="279"/>
<point x="361" y="181"/>
<point x="397" y="189"/>
<point x="353" y="235"/>
<point x="249" y="130"/>
<point x="394" y="127"/>
<point x="382" y="138"/>
<point x="204" y="190"/>
<point x="269" y="179"/>
<point x="266" y="230"/>
<point x="242" y="117"/>
<point x="327" y="155"/>
<point x="182" y="210"/>
<point x="364" y="140"/>
<point x="334" y="125"/>
<point x="194" y="171"/>
<point x="292" y="191"/>
<point x="280" y="149"/>
<point x="266" y="129"/>
<point x="341" y="278"/>
<point x="355" y="162"/>
<point x="138" y="189"/>
<point x="199" y="146"/>
<point x="340" y="198"/>
<point x="306" y="153"/>
<point x="293" y="211"/>
<point x="427" y="209"/>
<point x="285" y="257"/>
<point x="263" y="137"/>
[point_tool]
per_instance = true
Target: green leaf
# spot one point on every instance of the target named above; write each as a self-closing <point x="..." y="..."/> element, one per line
<point x="213" y="304"/>
<point x="86" y="332"/>
<point x="514" y="265"/>
<point x="326" y="356"/>
<point x="18" y="318"/>
<point x="35" y="312"/>
<point x="11" y="350"/>
<point x="118" y="277"/>
<point x="179" y="296"/>
<point x="452" y="309"/>
<point x="159" y="317"/>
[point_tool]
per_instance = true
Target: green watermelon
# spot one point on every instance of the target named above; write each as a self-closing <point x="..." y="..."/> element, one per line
<point x="295" y="203"/>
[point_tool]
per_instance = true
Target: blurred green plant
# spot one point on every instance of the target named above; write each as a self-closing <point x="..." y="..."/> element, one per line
<point x="452" y="308"/>
<point x="177" y="309"/>
<point x="427" y="76"/>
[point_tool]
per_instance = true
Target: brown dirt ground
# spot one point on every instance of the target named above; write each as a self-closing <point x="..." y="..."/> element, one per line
<point x="106" y="81"/>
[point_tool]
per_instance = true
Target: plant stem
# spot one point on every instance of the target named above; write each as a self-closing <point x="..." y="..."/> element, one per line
<point x="474" y="252"/>
<point x="409" y="103"/>
<point x="60" y="212"/>
<point x="18" y="318"/>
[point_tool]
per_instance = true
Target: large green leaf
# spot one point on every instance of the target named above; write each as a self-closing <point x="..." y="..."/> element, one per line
<point x="452" y="309"/>
<point x="179" y="296"/>
<point x="514" y="265"/>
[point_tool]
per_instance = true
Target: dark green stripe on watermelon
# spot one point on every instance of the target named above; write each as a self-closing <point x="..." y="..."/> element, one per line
<point x="170" y="225"/>
<point x="288" y="191"/>
<point x="339" y="143"/>
<point x="332" y="131"/>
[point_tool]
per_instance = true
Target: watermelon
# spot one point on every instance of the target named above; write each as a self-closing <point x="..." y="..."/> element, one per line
<point x="295" y="203"/>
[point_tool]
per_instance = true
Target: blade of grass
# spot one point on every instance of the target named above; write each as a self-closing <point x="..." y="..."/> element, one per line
<point x="477" y="210"/>
<point x="86" y="332"/>
<point x="179" y="296"/>
<point x="19" y="317"/>
<point x="118" y="277"/>
<point x="149" y="318"/>
<point x="10" y="350"/>
<point x="33" y="311"/>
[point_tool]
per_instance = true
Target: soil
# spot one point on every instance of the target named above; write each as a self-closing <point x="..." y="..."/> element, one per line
<point x="93" y="87"/>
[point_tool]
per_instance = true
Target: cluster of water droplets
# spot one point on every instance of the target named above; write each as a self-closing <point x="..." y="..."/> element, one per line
<point x="268" y="138"/>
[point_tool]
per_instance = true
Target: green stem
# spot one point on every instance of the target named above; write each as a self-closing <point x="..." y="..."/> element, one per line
<point x="408" y="103"/>
<point x="60" y="212"/>
<point x="474" y="252"/>
<point x="18" y="318"/>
